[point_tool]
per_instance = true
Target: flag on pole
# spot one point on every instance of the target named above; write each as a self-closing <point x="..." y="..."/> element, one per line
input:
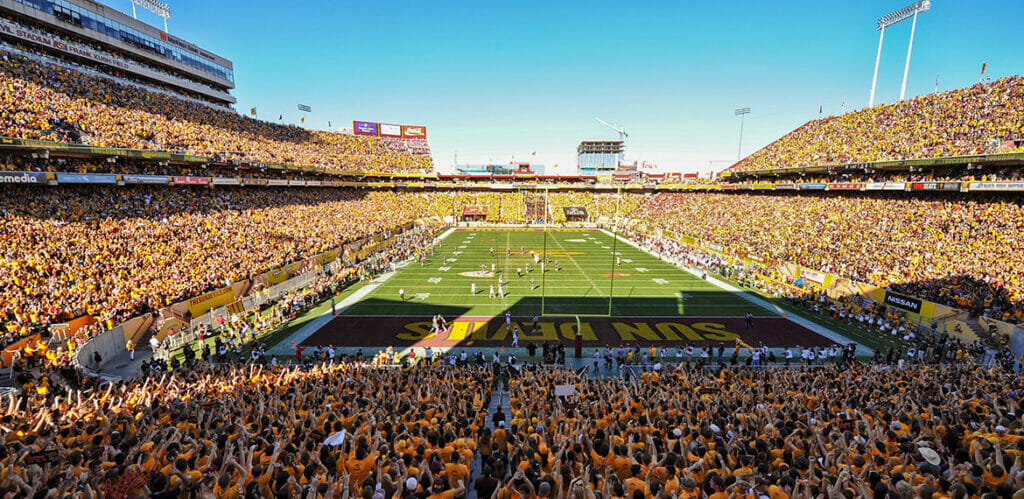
<point x="280" y="118"/>
<point x="820" y="108"/>
<point x="844" y="103"/>
<point x="983" y="66"/>
<point x="328" y="123"/>
<point x="303" y="120"/>
<point x="252" y="111"/>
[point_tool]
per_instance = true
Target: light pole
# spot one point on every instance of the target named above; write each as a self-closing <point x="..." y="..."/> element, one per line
<point x="741" y="112"/>
<point x="910" y="11"/>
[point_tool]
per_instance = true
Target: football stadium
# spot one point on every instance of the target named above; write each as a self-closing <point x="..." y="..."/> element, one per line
<point x="210" y="291"/>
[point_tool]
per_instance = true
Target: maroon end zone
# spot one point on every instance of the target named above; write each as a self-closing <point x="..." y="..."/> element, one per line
<point x="378" y="331"/>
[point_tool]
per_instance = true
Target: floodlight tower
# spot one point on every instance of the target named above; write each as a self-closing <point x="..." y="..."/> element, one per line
<point x="741" y="112"/>
<point x="910" y="11"/>
<point x="160" y="9"/>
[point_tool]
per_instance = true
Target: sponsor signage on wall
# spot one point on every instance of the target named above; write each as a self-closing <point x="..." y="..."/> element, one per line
<point x="845" y="187"/>
<point x="575" y="211"/>
<point x="389" y="130"/>
<point x="813" y="186"/>
<point x="414" y="132"/>
<point x="365" y="128"/>
<point x="935" y="186"/>
<point x="908" y="303"/>
<point x="85" y="178"/>
<point x="191" y="180"/>
<point x="144" y="179"/>
<point x="996" y="186"/>
<point x="22" y="178"/>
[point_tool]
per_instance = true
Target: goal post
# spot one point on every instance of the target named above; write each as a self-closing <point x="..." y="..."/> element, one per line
<point x="599" y="304"/>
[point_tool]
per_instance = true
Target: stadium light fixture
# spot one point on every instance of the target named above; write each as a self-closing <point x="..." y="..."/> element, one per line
<point x="158" y="8"/>
<point x="895" y="17"/>
<point x="741" y="112"/>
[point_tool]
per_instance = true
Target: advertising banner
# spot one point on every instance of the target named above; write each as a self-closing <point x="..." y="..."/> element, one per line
<point x="85" y="178"/>
<point x="785" y="187"/>
<point x="756" y="258"/>
<point x="315" y="183"/>
<point x="365" y="128"/>
<point x="812" y="275"/>
<point x="277" y="181"/>
<point x="191" y="180"/>
<point x="575" y="211"/>
<point x="22" y="178"/>
<point x="813" y="186"/>
<point x="474" y="210"/>
<point x="762" y="186"/>
<point x="895" y="186"/>
<point x="389" y="130"/>
<point x="204" y="302"/>
<point x="414" y="132"/>
<point x="144" y="179"/>
<point x="874" y="186"/>
<point x="255" y="181"/>
<point x="982" y="186"/>
<point x="904" y="302"/>
<point x="282" y="274"/>
<point x="296" y="182"/>
<point x="935" y="186"/>
<point x="225" y="181"/>
<point x="845" y="187"/>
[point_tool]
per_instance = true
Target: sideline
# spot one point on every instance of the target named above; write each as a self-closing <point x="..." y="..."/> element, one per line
<point x="756" y="300"/>
<point x="284" y="346"/>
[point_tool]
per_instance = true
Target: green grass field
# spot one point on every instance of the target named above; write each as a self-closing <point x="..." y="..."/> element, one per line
<point x="640" y="285"/>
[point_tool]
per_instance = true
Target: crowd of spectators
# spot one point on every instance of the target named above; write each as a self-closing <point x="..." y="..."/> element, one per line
<point x="50" y="102"/>
<point x="981" y="119"/>
<point x="115" y="252"/>
<point x="961" y="252"/>
<point x="344" y="429"/>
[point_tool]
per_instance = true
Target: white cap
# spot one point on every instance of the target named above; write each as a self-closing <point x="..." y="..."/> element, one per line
<point x="715" y="428"/>
<point x="1000" y="429"/>
<point x="410" y="483"/>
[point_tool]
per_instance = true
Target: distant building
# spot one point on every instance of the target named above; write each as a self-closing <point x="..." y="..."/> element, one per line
<point x="597" y="157"/>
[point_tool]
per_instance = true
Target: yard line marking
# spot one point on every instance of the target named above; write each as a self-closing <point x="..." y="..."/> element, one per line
<point x="574" y="262"/>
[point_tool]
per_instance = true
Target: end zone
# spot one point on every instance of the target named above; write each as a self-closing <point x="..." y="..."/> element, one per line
<point x="380" y="331"/>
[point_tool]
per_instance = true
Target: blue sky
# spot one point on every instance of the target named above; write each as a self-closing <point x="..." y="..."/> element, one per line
<point x="493" y="80"/>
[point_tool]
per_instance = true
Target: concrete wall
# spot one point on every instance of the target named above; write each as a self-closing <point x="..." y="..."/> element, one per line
<point x="109" y="344"/>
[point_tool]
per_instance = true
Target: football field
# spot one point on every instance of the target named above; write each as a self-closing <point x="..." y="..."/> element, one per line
<point x="586" y="276"/>
<point x="569" y="280"/>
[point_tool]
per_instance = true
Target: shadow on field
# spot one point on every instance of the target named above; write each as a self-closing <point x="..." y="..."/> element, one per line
<point x="634" y="321"/>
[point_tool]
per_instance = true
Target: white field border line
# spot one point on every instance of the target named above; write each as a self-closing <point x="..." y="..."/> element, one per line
<point x="467" y="299"/>
<point x="284" y="346"/>
<point x="574" y="262"/>
<point x="566" y="317"/>
<point x="813" y="326"/>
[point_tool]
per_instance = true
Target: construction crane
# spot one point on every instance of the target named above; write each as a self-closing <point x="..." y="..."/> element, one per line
<point x="622" y="131"/>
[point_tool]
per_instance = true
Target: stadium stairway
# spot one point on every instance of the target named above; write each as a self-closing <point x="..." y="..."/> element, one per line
<point x="980" y="331"/>
<point x="499" y="399"/>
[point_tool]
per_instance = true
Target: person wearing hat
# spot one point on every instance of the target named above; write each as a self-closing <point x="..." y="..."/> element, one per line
<point x="440" y="490"/>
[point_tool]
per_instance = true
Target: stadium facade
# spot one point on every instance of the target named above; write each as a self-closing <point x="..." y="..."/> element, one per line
<point x="597" y="157"/>
<point x="89" y="36"/>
